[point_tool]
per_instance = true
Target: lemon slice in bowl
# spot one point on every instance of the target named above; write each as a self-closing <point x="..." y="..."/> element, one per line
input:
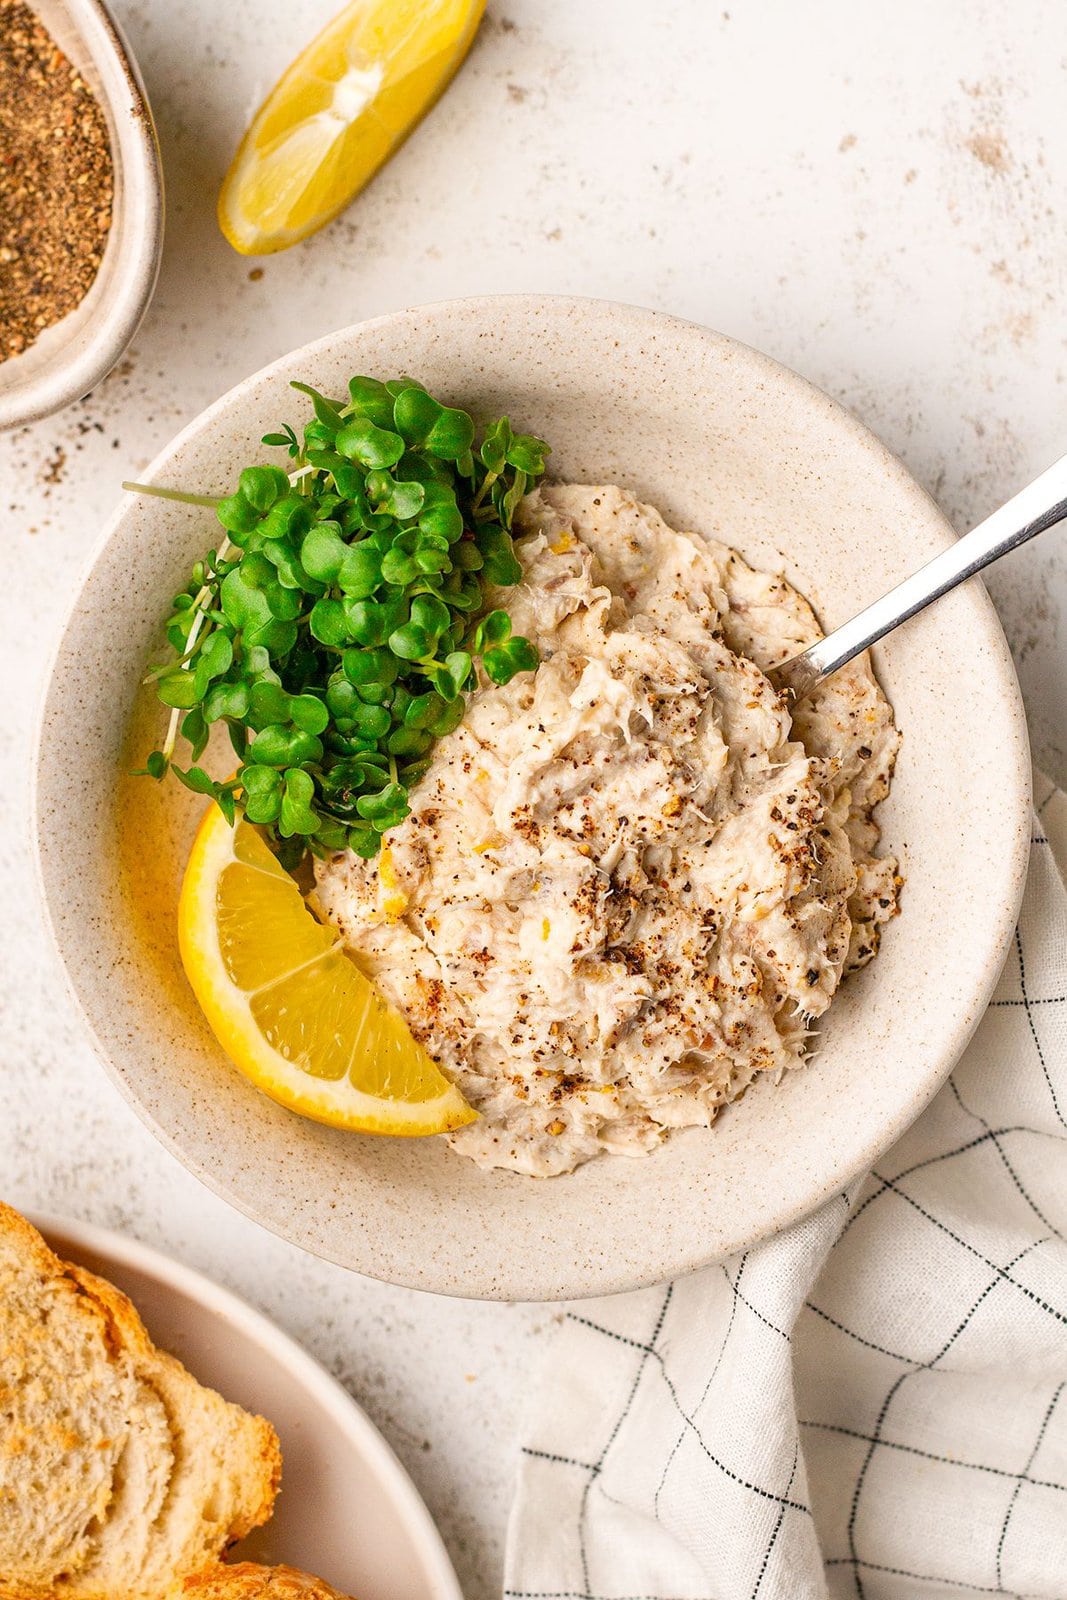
<point x="287" y="1004"/>
<point x="338" y="113"/>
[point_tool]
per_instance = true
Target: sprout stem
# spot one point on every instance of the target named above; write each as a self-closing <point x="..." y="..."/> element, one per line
<point x="181" y="495"/>
<point x="190" y="644"/>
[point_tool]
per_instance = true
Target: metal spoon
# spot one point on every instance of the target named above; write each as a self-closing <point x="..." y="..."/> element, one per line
<point x="1037" y="507"/>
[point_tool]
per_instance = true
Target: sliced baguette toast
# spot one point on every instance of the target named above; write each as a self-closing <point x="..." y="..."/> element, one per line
<point x="244" y="1580"/>
<point x="119" y="1473"/>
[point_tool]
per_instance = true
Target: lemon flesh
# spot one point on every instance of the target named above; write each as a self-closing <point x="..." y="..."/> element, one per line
<point x="288" y="1005"/>
<point x="338" y="113"/>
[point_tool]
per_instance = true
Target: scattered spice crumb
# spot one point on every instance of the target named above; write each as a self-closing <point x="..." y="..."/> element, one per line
<point x="517" y="93"/>
<point x="56" y="181"/>
<point x="847" y="142"/>
<point x="52" y="471"/>
<point x="255" y="275"/>
<point x="990" y="149"/>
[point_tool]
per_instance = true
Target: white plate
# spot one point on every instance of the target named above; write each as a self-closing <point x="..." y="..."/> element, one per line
<point x="347" y="1510"/>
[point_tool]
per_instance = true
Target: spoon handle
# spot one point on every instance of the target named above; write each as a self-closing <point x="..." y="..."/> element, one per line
<point x="1037" y="507"/>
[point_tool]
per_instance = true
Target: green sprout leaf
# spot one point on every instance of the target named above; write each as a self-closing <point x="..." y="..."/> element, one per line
<point x="451" y="436"/>
<point x="178" y="689"/>
<point x="328" y="622"/>
<point x="263" y="794"/>
<point x="327" y="414"/>
<point x="415" y="414"/>
<point x="285" y="747"/>
<point x="260" y="487"/>
<point x="337" y="629"/>
<point x="372" y="399"/>
<point x="505" y="660"/>
<point x="296" y="814"/>
<point x="229" y="700"/>
<point x="371" y="446"/>
<point x="196" y="779"/>
<point x="323" y="552"/>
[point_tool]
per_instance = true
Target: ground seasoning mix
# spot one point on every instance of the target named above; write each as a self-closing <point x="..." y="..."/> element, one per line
<point x="55" y="181"/>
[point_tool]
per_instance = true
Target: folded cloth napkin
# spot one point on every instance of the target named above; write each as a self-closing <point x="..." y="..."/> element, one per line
<point x="872" y="1404"/>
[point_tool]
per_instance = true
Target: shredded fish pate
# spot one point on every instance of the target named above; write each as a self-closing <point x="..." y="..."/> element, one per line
<point x="630" y="881"/>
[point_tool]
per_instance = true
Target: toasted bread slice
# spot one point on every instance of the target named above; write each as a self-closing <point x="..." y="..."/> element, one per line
<point x="244" y="1580"/>
<point x="119" y="1473"/>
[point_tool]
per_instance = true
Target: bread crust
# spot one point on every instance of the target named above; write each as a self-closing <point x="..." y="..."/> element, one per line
<point x="151" y="1474"/>
<point x="131" y="1332"/>
<point x="246" y="1580"/>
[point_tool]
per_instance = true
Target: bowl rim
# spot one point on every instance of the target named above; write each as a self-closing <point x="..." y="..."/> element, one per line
<point x="138" y="246"/>
<point x="570" y="1284"/>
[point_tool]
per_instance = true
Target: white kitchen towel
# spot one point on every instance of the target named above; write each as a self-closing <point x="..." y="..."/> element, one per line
<point x="872" y="1405"/>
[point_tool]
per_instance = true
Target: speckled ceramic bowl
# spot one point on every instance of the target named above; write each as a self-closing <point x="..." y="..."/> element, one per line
<point x="75" y="354"/>
<point x="754" y="457"/>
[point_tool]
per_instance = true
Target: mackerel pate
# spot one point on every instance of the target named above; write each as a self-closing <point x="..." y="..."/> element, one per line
<point x="631" y="881"/>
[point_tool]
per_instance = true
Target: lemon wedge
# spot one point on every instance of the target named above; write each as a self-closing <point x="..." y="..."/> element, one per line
<point x="287" y="1004"/>
<point x="338" y="113"/>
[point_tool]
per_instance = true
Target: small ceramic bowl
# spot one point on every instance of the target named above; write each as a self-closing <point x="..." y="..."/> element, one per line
<point x="72" y="356"/>
<point x="720" y="439"/>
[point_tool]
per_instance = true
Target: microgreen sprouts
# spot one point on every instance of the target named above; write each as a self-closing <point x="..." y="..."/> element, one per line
<point x="345" y="616"/>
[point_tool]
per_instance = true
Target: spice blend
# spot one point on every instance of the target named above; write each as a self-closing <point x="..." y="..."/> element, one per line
<point x="56" y="181"/>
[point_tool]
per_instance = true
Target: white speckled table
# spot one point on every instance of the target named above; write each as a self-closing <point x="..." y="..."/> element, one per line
<point x="869" y="193"/>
